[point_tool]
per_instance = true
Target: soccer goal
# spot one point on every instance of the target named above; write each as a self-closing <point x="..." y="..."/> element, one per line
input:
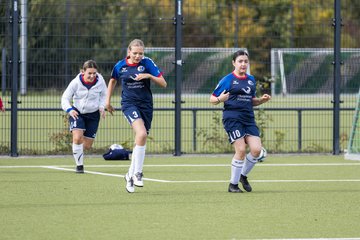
<point x="310" y="70"/>
<point x="353" y="150"/>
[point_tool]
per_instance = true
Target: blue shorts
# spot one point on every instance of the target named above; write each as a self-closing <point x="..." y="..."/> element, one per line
<point x="132" y="113"/>
<point x="235" y="129"/>
<point x="89" y="122"/>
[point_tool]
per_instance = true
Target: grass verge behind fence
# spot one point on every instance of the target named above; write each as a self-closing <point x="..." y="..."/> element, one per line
<point x="40" y="132"/>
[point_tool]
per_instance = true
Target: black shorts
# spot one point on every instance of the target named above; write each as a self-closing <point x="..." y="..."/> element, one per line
<point x="89" y="122"/>
<point x="132" y="112"/>
<point x="236" y="129"/>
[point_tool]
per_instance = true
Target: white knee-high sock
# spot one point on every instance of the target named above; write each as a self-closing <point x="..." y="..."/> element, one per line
<point x="132" y="165"/>
<point x="139" y="156"/>
<point x="249" y="164"/>
<point x="236" y="166"/>
<point x="78" y="153"/>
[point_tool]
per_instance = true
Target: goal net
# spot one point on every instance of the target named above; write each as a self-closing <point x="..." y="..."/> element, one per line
<point x="310" y="70"/>
<point x="353" y="150"/>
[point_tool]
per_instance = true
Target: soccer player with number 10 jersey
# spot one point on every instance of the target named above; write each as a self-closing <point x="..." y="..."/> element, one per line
<point x="237" y="91"/>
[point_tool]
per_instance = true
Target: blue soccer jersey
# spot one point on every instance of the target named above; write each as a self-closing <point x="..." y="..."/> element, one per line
<point x="242" y="91"/>
<point x="135" y="92"/>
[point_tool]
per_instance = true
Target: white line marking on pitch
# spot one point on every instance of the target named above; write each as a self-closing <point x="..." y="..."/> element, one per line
<point x="270" y="181"/>
<point x="62" y="168"/>
<point x="202" y="181"/>
<point x="101" y="173"/>
<point x="200" y="165"/>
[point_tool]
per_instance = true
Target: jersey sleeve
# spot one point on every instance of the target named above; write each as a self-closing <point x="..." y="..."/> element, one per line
<point x="103" y="92"/>
<point x="115" y="73"/>
<point x="252" y="78"/>
<point x="67" y="96"/>
<point x="152" y="67"/>
<point x="223" y="85"/>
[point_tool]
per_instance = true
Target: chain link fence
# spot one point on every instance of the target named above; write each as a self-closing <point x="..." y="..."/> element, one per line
<point x="56" y="37"/>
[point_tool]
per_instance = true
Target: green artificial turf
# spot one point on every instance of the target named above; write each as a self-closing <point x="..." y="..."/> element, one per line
<point x="309" y="196"/>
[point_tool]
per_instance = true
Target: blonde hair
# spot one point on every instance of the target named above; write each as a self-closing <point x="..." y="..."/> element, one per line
<point x="137" y="43"/>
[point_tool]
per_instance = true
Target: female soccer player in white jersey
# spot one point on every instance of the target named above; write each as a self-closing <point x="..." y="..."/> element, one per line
<point x="84" y="101"/>
<point x="135" y="74"/>
<point x="237" y="91"/>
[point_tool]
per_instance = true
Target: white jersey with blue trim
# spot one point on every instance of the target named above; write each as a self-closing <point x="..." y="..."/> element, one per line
<point x="242" y="91"/>
<point x="85" y="98"/>
<point x="135" y="92"/>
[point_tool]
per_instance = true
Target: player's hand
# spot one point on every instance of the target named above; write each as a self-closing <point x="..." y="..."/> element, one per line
<point x="141" y="76"/>
<point x="74" y="114"/>
<point x="102" y="113"/>
<point x="224" y="96"/>
<point x="265" y="98"/>
<point x="110" y="109"/>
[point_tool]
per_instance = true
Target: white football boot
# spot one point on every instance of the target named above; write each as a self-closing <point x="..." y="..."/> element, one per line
<point x="138" y="182"/>
<point x="129" y="184"/>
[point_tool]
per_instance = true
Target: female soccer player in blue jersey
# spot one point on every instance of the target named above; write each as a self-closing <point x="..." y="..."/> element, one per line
<point x="84" y="101"/>
<point x="237" y="91"/>
<point x="136" y="72"/>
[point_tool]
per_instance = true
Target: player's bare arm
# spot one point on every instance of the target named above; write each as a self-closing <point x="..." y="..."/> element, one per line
<point x="110" y="90"/>
<point x="158" y="80"/>
<point x="221" y="98"/>
<point x="263" y="99"/>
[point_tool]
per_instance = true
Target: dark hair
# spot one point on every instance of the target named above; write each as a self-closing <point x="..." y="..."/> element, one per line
<point x="89" y="64"/>
<point x="239" y="53"/>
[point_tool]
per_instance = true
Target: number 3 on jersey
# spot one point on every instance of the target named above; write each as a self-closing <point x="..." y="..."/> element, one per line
<point x="135" y="114"/>
<point x="132" y="117"/>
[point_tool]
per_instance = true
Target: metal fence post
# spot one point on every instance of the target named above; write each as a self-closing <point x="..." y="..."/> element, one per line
<point x="3" y="70"/>
<point x="194" y="111"/>
<point x="299" y="130"/>
<point x="23" y="47"/>
<point x="337" y="77"/>
<point x="14" y="88"/>
<point x="178" y="77"/>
